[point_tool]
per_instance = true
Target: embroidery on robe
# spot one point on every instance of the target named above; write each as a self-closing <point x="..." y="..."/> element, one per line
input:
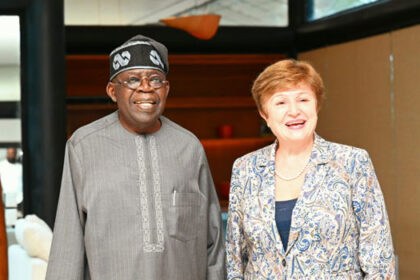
<point x="149" y="246"/>
<point x="157" y="194"/>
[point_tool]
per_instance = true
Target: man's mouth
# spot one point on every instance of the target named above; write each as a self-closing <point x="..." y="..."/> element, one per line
<point x="145" y="104"/>
<point x="296" y="124"/>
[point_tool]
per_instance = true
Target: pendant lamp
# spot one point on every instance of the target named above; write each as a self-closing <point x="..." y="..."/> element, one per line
<point x="203" y="27"/>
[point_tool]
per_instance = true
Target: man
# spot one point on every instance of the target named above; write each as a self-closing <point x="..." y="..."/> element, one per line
<point x="137" y="199"/>
<point x="12" y="183"/>
<point x="11" y="175"/>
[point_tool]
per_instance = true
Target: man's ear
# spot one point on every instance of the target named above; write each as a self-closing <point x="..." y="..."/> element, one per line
<point x="167" y="88"/>
<point x="110" y="90"/>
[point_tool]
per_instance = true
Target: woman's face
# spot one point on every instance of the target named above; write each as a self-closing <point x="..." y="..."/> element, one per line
<point x="292" y="113"/>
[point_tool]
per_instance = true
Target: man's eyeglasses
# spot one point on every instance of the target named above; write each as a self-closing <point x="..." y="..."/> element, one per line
<point x="155" y="82"/>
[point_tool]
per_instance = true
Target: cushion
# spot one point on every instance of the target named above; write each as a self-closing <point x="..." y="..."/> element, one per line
<point x="22" y="266"/>
<point x="35" y="236"/>
<point x="38" y="269"/>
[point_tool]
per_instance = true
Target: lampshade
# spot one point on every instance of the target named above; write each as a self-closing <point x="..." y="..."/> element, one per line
<point x="200" y="26"/>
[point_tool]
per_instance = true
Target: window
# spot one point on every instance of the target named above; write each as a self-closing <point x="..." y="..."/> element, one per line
<point x="268" y="13"/>
<point x="317" y="9"/>
<point x="10" y="127"/>
<point x="9" y="81"/>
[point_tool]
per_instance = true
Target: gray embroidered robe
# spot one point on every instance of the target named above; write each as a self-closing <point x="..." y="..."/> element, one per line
<point x="136" y="207"/>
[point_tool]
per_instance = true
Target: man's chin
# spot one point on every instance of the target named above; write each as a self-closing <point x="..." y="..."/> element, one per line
<point x="148" y="125"/>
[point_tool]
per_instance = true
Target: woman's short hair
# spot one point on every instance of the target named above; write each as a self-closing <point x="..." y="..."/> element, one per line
<point x="283" y="75"/>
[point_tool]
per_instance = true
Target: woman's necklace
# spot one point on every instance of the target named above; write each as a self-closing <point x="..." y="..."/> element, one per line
<point x="291" y="178"/>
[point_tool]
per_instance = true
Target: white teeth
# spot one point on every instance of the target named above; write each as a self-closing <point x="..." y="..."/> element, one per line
<point x="144" y="102"/>
<point x="145" y="105"/>
<point x="300" y="123"/>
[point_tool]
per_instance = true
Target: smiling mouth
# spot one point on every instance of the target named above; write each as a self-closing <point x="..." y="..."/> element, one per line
<point x="145" y="105"/>
<point x="296" y="124"/>
<point x="145" y="102"/>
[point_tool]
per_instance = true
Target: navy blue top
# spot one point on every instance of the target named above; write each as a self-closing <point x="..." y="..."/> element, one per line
<point x="284" y="218"/>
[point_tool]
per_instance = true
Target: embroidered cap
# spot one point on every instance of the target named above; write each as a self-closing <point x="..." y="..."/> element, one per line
<point x="139" y="52"/>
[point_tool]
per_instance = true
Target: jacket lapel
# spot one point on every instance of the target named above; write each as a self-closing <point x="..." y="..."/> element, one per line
<point x="265" y="166"/>
<point x="313" y="180"/>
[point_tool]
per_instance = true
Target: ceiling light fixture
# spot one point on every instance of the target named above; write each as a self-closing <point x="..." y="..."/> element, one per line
<point x="203" y="27"/>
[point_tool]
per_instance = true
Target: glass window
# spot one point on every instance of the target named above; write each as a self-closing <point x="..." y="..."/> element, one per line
<point x="10" y="124"/>
<point x="245" y="12"/>
<point x="317" y="9"/>
<point x="140" y="12"/>
<point x="9" y="58"/>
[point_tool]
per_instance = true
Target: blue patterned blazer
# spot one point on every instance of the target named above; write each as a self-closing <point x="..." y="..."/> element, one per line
<point x="339" y="230"/>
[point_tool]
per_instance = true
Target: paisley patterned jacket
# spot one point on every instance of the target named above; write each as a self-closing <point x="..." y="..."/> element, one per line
<point x="339" y="230"/>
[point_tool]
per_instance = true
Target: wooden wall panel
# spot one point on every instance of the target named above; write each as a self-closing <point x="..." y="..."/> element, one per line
<point x="189" y="75"/>
<point x="203" y="122"/>
<point x="219" y="80"/>
<point x="87" y="75"/>
<point x="373" y="103"/>
<point x="406" y="51"/>
<point x="357" y="110"/>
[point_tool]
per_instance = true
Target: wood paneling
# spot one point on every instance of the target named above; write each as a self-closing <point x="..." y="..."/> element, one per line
<point x="87" y="75"/>
<point x="372" y="102"/>
<point x="357" y="110"/>
<point x="406" y="52"/>
<point x="202" y="121"/>
<point x="189" y="75"/>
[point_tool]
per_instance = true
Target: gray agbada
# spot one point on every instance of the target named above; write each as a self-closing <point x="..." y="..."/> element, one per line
<point x="137" y="199"/>
<point x="136" y="207"/>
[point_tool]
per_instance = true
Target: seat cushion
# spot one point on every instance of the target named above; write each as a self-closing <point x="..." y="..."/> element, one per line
<point x="35" y="236"/>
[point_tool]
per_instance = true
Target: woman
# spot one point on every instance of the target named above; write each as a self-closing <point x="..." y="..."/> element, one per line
<point x="303" y="207"/>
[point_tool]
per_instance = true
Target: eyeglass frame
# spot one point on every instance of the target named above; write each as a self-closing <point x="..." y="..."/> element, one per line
<point x="140" y="81"/>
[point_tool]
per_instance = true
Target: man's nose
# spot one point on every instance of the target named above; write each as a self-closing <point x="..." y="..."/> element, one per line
<point x="144" y="85"/>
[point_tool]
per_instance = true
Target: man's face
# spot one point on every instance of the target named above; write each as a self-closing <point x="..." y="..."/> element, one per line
<point x="11" y="155"/>
<point x="140" y="108"/>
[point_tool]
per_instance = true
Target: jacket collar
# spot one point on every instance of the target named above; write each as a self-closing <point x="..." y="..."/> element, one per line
<point x="320" y="153"/>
